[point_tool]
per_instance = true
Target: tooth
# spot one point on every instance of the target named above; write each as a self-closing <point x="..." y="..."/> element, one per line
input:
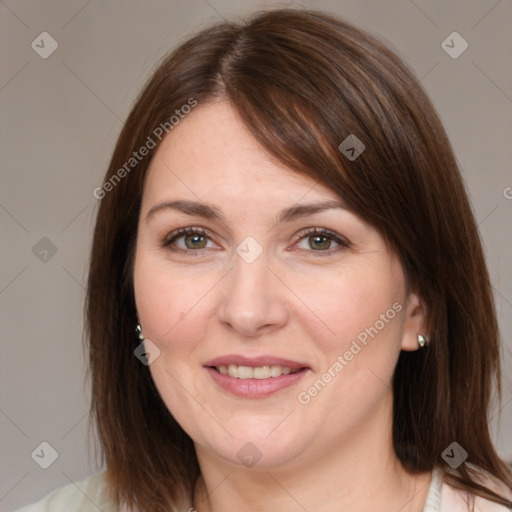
<point x="276" y="371"/>
<point x="262" y="372"/>
<point x="258" y="372"/>
<point x="245" y="372"/>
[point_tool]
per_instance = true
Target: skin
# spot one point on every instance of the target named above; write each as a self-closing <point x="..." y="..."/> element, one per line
<point x="304" y="300"/>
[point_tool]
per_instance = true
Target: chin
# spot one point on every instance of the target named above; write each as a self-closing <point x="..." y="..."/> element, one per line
<point x="253" y="448"/>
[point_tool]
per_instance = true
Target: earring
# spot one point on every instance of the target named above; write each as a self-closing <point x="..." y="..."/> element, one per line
<point x="138" y="330"/>
<point x="422" y="340"/>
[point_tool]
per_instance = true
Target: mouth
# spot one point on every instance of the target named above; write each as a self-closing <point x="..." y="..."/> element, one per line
<point x="255" y="377"/>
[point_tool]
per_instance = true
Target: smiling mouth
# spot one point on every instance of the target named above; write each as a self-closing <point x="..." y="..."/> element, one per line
<point x="258" y="372"/>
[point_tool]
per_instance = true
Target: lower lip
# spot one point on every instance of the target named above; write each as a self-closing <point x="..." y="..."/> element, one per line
<point x="255" y="388"/>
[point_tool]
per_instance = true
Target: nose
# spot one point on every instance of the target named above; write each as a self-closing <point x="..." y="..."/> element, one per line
<point x="254" y="300"/>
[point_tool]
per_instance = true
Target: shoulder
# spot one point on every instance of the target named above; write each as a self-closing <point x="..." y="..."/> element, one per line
<point x="87" y="495"/>
<point x="455" y="500"/>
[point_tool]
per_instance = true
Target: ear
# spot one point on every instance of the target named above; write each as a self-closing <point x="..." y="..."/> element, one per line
<point x="415" y="322"/>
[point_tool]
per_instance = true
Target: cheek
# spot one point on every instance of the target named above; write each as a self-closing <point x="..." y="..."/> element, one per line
<point x="169" y="301"/>
<point x="358" y="333"/>
<point x="169" y="305"/>
<point x="353" y="304"/>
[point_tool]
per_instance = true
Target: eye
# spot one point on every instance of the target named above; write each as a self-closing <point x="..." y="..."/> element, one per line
<point x="321" y="240"/>
<point x="192" y="238"/>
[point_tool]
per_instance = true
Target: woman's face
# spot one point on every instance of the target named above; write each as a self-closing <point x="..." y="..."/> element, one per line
<point x="277" y="345"/>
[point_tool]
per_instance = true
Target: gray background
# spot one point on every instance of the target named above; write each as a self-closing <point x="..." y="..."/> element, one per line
<point x="60" y="117"/>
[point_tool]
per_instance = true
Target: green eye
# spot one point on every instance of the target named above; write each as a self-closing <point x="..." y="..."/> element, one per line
<point x="320" y="240"/>
<point x="194" y="238"/>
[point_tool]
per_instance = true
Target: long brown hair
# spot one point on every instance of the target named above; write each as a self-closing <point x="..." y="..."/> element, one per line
<point x="303" y="81"/>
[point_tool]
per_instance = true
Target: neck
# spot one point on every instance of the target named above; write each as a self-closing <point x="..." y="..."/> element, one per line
<point x="359" y="472"/>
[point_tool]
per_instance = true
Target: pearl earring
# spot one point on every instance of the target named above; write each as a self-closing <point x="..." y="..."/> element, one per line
<point x="422" y="340"/>
<point x="138" y="330"/>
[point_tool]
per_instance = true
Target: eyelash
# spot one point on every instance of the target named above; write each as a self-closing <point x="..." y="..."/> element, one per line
<point x="343" y="243"/>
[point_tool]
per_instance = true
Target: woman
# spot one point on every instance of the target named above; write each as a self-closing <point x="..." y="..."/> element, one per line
<point x="288" y="306"/>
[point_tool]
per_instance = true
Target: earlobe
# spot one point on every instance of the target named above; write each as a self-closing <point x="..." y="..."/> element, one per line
<point x="414" y="335"/>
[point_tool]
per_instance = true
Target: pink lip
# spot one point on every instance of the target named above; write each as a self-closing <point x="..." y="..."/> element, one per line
<point x="255" y="388"/>
<point x="254" y="361"/>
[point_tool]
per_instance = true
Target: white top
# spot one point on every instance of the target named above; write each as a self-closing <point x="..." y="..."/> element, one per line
<point x="433" y="502"/>
<point x="87" y="495"/>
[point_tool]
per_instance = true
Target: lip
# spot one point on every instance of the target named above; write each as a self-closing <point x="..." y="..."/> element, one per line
<point x="255" y="388"/>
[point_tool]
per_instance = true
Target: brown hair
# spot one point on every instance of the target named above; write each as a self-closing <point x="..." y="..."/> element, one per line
<point x="302" y="81"/>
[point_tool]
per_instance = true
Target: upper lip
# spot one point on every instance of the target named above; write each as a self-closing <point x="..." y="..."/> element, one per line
<point x="255" y="361"/>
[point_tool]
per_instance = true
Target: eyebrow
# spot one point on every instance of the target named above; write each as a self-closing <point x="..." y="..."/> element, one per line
<point x="211" y="212"/>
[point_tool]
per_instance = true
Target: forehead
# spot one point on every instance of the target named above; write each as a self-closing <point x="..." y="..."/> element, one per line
<point x="211" y="154"/>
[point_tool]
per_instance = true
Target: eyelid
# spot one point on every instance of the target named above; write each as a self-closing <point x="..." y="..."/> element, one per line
<point x="178" y="233"/>
<point x="322" y="231"/>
